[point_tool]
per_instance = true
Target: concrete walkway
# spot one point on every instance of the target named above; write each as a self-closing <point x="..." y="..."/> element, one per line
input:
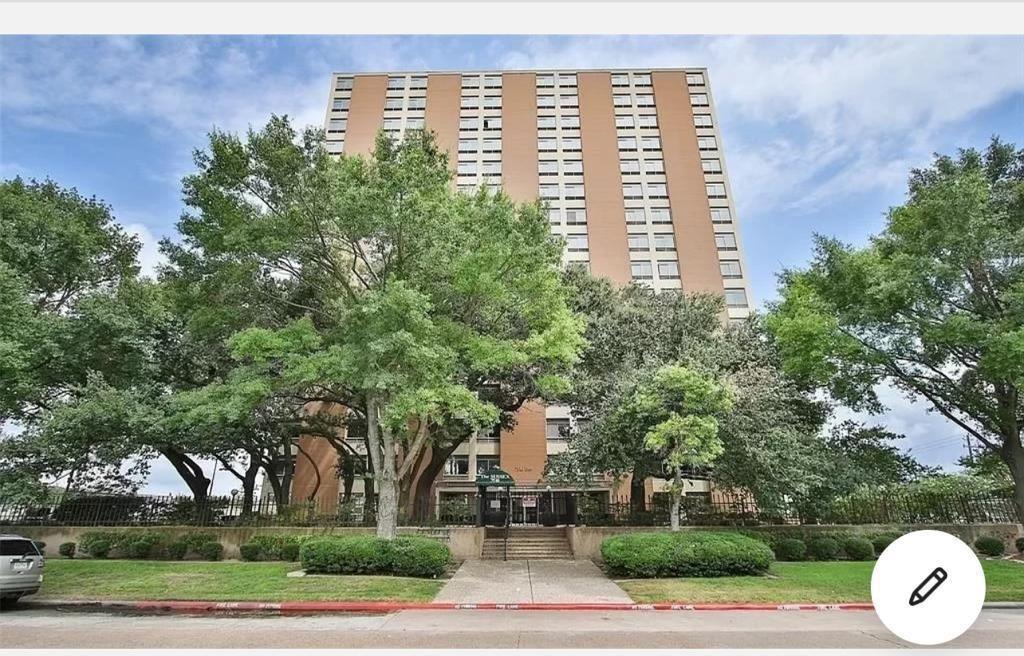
<point x="530" y="581"/>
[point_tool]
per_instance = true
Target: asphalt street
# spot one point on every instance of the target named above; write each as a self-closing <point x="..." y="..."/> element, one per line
<point x="54" y="628"/>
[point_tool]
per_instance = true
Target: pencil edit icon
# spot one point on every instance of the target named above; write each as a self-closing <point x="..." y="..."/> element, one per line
<point x="929" y="585"/>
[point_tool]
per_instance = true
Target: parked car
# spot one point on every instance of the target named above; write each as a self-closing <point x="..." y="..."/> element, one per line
<point x="21" y="568"/>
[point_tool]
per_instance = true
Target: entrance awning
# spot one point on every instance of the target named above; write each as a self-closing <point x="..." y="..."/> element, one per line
<point x="495" y="477"/>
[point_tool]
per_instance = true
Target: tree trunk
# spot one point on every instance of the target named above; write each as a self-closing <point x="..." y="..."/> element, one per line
<point x="677" y="492"/>
<point x="1012" y="454"/>
<point x="194" y="478"/>
<point x="637" y="491"/>
<point x="288" y="464"/>
<point x="380" y="444"/>
<point x="438" y="456"/>
<point x="249" y="485"/>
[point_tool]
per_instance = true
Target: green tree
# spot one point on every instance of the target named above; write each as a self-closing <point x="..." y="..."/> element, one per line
<point x="412" y="296"/>
<point x="933" y="305"/>
<point x="677" y="411"/>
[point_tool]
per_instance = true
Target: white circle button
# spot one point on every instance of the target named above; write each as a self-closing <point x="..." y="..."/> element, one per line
<point x="928" y="587"/>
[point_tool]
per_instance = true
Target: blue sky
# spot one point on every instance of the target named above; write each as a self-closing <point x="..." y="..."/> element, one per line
<point x="818" y="132"/>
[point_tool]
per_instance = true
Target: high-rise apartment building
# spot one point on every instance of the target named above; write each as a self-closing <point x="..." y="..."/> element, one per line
<point x="630" y="165"/>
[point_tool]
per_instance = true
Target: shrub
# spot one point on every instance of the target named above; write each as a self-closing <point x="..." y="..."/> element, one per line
<point x="99" y="548"/>
<point x="823" y="548"/>
<point x="250" y="551"/>
<point x="857" y="548"/>
<point x="418" y="556"/>
<point x="685" y="553"/>
<point x="366" y="554"/>
<point x="790" y="549"/>
<point x="211" y="550"/>
<point x="98" y="544"/>
<point x="195" y="539"/>
<point x="39" y="545"/>
<point x="1019" y="543"/>
<point x="290" y="551"/>
<point x="139" y="546"/>
<point x="177" y="550"/>
<point x="989" y="545"/>
<point x="275" y="547"/>
<point x="67" y="549"/>
<point x="882" y="540"/>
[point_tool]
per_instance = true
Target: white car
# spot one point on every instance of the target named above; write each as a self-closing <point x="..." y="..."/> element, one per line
<point x="21" y="568"/>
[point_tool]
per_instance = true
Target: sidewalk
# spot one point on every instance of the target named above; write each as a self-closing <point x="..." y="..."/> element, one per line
<point x="530" y="581"/>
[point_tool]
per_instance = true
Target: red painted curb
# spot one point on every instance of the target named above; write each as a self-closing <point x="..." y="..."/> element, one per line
<point x="390" y="607"/>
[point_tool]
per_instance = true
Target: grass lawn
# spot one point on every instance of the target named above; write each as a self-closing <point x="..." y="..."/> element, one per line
<point x="224" y="581"/>
<point x="804" y="582"/>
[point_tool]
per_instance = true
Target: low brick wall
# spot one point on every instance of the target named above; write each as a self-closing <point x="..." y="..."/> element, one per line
<point x="464" y="541"/>
<point x="586" y="540"/>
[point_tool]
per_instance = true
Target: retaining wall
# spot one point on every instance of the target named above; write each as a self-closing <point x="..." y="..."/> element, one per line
<point x="586" y="540"/>
<point x="464" y="542"/>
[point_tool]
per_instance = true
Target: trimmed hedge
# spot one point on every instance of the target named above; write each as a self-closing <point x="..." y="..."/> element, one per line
<point x="211" y="550"/>
<point x="824" y="548"/>
<point x="858" y="549"/>
<point x="177" y="550"/>
<point x="685" y="553"/>
<point x="67" y="549"/>
<point x="367" y="554"/>
<point x="1019" y="543"/>
<point x="990" y="545"/>
<point x="790" y="549"/>
<point x="273" y="547"/>
<point x="882" y="540"/>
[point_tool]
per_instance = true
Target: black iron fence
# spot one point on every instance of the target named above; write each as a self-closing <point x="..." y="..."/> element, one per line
<point x="542" y="508"/>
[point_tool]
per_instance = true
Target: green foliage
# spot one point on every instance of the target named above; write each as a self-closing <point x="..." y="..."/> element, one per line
<point x="858" y="548"/>
<point x="250" y="551"/>
<point x="273" y="547"/>
<point x="790" y="549"/>
<point x="195" y="539"/>
<point x="98" y="548"/>
<point x="933" y="305"/>
<point x="67" y="549"/>
<point x="824" y="548"/>
<point x="177" y="550"/>
<point x="1019" y="543"/>
<point x="365" y="554"/>
<point x="687" y="553"/>
<point x="140" y="546"/>
<point x="882" y="540"/>
<point x="990" y="545"/>
<point x="210" y="550"/>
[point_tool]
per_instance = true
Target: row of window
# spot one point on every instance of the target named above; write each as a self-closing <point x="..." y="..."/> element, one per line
<point x="488" y="123"/>
<point x="551" y="122"/>
<point x="646" y="143"/>
<point x="477" y="81"/>
<point x="569" y="192"/>
<point x="569" y="167"/>
<point x="663" y="242"/>
<point x="486" y="145"/>
<point x="644" y="270"/>
<point x="401" y="82"/>
<point x="550" y="144"/>
<point x="411" y="103"/>
<point x="545" y="80"/>
<point x="480" y="102"/>
<point x="485" y="168"/>
<point x="459" y="465"/>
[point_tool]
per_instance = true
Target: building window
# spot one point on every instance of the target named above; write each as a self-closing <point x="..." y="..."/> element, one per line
<point x="571" y="144"/>
<point x="648" y="121"/>
<point x="639" y="243"/>
<point x="485" y="464"/>
<point x="623" y="121"/>
<point x="554" y="216"/>
<point x="546" y="123"/>
<point x="467" y="145"/>
<point x="417" y="102"/>
<point x="418" y="82"/>
<point x="641" y="79"/>
<point x="651" y="143"/>
<point x="641" y="270"/>
<point x="545" y="102"/>
<point x="492" y="145"/>
<point x="457" y="466"/>
<point x="661" y="215"/>
<point x="632" y="191"/>
<point x="335" y="147"/>
<point x="725" y="241"/>
<point x="573" y="167"/>
<point x="392" y="124"/>
<point x="467" y="189"/>
<point x="627" y="143"/>
<point x="721" y="215"/>
<point x="396" y="82"/>
<point x="547" y="167"/>
<point x="715" y="190"/>
<point x="492" y="123"/>
<point x="574" y="191"/>
<point x="576" y="243"/>
<point x="711" y="165"/>
<point x="622" y="100"/>
<point x="635" y="216"/>
<point x="702" y="121"/>
<point x="657" y="191"/>
<point x="413" y="123"/>
<point x="695" y="79"/>
<point x="469" y="123"/>
<point x="699" y="99"/>
<point x="549" y="191"/>
<point x="629" y="166"/>
<point x="492" y="81"/>
<point x="707" y="143"/>
<point x="492" y="102"/>
<point x="644" y="100"/>
<point x="567" y="80"/>
<point x="469" y="102"/>
<point x="470" y="81"/>
<point x="668" y="270"/>
<point x="664" y="242"/>
<point x="557" y="429"/>
<point x="569" y="101"/>
<point x="392" y="104"/>
<point x="545" y="80"/>
<point x="730" y="269"/>
<point x="570" y="122"/>
<point x="467" y="168"/>
<point x="491" y="168"/>
<point x="343" y="84"/>
<point x="620" y="80"/>
<point x="547" y="145"/>
<point x="336" y="125"/>
<point x="340" y="104"/>
<point x="654" y="166"/>
<point x="575" y="217"/>
<point x="735" y="298"/>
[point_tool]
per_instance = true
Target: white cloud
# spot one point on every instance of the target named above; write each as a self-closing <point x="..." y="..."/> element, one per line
<point x="149" y="254"/>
